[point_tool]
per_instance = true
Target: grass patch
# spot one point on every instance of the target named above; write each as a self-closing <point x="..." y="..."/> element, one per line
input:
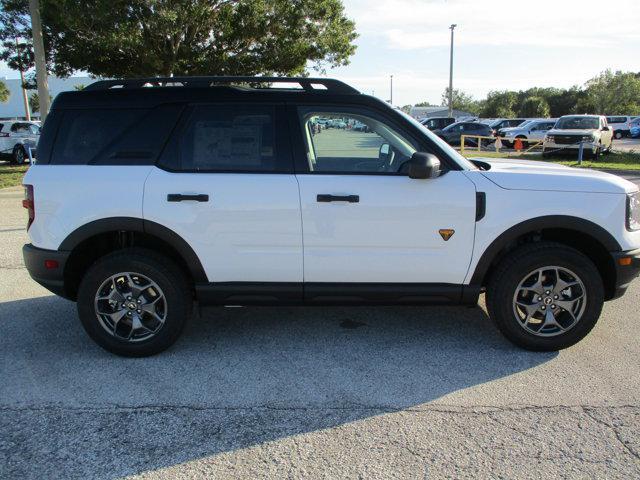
<point x="612" y="161"/>
<point x="11" y="175"/>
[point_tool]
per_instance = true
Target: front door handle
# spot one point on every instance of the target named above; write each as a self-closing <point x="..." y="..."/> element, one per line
<point x="326" y="197"/>
<point x="179" y="197"/>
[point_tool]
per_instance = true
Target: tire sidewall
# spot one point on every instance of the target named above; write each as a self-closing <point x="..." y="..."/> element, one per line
<point x="168" y="279"/>
<point x="504" y="290"/>
<point x="16" y="150"/>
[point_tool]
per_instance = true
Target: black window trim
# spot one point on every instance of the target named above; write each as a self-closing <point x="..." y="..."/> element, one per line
<point x="301" y="162"/>
<point x="281" y="132"/>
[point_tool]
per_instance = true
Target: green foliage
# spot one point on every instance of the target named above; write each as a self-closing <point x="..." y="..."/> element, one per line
<point x="614" y="93"/>
<point x="460" y="100"/>
<point x="4" y="92"/>
<point x="534" y="107"/>
<point x="499" y="104"/>
<point x="34" y="102"/>
<point x="124" y="38"/>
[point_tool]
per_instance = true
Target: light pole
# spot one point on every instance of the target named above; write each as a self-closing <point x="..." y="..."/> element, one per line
<point x="391" y="90"/>
<point x="452" y="27"/>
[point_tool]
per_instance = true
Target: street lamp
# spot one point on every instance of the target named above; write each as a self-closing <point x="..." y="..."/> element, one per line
<point x="452" y="27"/>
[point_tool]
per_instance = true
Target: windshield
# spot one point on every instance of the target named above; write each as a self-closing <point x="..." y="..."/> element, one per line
<point x="459" y="159"/>
<point x="495" y="123"/>
<point x="578" y="123"/>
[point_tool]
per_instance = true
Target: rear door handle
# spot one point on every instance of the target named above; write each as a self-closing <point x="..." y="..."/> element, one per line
<point x="326" y="197"/>
<point x="179" y="197"/>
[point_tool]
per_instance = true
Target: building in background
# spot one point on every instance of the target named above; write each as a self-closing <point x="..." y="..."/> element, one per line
<point x="433" y="111"/>
<point x="14" y="107"/>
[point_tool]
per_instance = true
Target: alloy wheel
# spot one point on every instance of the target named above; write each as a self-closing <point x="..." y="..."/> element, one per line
<point x="549" y="301"/>
<point x="130" y="307"/>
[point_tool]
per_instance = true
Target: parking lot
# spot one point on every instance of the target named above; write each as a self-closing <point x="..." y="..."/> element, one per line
<point x="323" y="392"/>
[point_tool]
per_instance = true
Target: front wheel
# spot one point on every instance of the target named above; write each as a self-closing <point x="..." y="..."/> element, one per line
<point x="134" y="302"/>
<point x="545" y="296"/>
<point x="18" y="156"/>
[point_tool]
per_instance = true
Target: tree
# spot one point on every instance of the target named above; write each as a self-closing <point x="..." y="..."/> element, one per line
<point x="614" y="93"/>
<point x="461" y="101"/>
<point x="4" y="92"/>
<point x="124" y="38"/>
<point x="534" y="107"/>
<point x="499" y="104"/>
<point x="34" y="102"/>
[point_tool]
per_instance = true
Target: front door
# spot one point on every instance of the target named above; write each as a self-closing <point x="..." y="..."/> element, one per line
<point x="364" y="220"/>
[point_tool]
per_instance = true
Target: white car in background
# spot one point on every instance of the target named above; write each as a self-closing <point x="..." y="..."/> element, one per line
<point x="16" y="137"/>
<point x="571" y="131"/>
<point x="529" y="131"/>
<point x="620" y="125"/>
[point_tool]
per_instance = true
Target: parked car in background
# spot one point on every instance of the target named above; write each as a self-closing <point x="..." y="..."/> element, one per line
<point x="531" y="130"/>
<point x="337" y="123"/>
<point x="16" y="136"/>
<point x="437" y="123"/>
<point x="634" y="130"/>
<point x="500" y="123"/>
<point x="620" y="125"/>
<point x="359" y="127"/>
<point x="452" y="133"/>
<point x="592" y="131"/>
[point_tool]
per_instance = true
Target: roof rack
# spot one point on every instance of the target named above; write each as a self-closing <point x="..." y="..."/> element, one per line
<point x="307" y="84"/>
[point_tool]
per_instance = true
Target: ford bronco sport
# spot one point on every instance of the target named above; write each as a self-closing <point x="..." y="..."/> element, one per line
<point x="151" y="194"/>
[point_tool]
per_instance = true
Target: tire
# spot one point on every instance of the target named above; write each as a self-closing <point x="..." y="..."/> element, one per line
<point x="19" y="155"/>
<point x="503" y="291"/>
<point x="618" y="135"/>
<point x="152" y="274"/>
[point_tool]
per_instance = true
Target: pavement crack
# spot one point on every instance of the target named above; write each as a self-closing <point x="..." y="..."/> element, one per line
<point x="589" y="412"/>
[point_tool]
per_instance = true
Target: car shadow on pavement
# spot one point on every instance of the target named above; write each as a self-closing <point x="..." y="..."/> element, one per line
<point x="238" y="377"/>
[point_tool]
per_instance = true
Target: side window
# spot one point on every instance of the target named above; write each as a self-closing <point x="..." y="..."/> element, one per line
<point x="83" y="134"/>
<point x="231" y="138"/>
<point x="354" y="143"/>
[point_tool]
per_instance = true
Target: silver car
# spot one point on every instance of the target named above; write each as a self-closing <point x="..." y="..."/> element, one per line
<point x="16" y="137"/>
<point x="530" y="131"/>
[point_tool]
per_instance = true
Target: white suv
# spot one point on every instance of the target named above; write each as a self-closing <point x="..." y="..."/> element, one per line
<point x="146" y="199"/>
<point x="16" y="138"/>
<point x="572" y="132"/>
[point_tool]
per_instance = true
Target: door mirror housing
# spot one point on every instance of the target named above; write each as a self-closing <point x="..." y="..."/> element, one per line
<point x="424" y="165"/>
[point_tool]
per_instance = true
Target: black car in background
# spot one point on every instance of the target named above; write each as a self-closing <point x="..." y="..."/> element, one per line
<point x="437" y="123"/>
<point x="452" y="133"/>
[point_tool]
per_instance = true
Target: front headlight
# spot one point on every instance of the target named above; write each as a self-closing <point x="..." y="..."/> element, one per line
<point x="589" y="138"/>
<point x="549" y="138"/>
<point x="633" y="211"/>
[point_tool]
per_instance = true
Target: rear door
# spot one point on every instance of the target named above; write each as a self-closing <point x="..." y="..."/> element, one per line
<point x="226" y="185"/>
<point x="364" y="219"/>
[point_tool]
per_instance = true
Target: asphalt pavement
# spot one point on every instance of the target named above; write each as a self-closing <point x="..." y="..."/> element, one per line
<point x="322" y="392"/>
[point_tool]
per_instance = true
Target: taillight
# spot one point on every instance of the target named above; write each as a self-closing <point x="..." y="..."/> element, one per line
<point x="29" y="204"/>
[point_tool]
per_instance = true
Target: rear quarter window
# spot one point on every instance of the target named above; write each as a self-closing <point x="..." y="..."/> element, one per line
<point x="114" y="136"/>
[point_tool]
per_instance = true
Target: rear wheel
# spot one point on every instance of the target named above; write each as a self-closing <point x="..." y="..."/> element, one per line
<point x="545" y="296"/>
<point x="618" y="135"/>
<point x="134" y="302"/>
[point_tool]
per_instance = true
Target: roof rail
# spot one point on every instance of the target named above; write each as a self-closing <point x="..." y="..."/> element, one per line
<point x="307" y="84"/>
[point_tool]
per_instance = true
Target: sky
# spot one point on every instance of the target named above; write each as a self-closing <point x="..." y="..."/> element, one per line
<point x="499" y="44"/>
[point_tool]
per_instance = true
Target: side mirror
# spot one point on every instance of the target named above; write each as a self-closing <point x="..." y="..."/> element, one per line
<point x="605" y="129"/>
<point x="424" y="165"/>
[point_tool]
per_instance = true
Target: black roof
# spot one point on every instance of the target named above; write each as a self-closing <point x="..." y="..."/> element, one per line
<point x="147" y="92"/>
